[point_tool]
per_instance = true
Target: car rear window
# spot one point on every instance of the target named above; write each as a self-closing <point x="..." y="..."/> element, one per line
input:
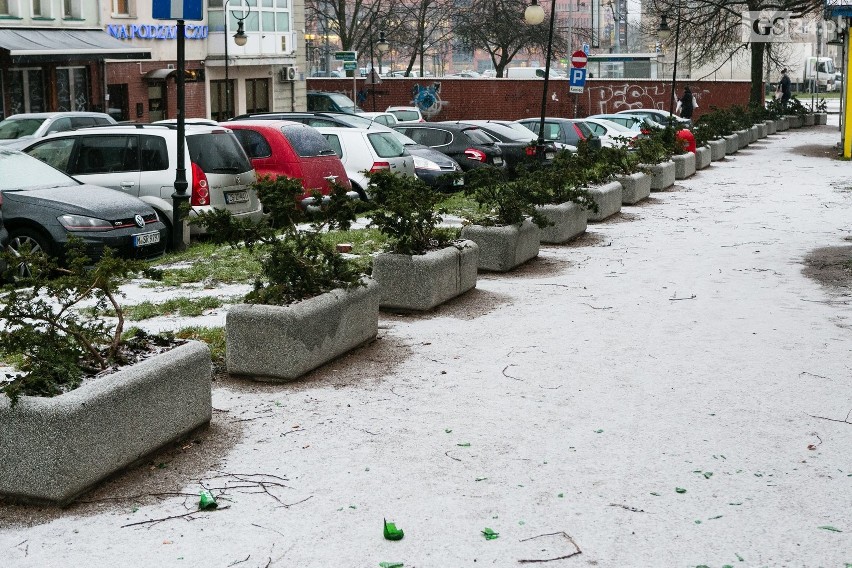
<point x="218" y="153"/>
<point x="428" y="136"/>
<point x="403" y="115"/>
<point x="507" y="133"/>
<point x="307" y="142"/>
<point x="253" y="143"/>
<point x="12" y="129"/>
<point x="477" y="136"/>
<point x="584" y="128"/>
<point x="386" y="145"/>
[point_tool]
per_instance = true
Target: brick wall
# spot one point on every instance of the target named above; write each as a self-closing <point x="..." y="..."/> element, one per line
<point x="511" y="99"/>
<point x="132" y="73"/>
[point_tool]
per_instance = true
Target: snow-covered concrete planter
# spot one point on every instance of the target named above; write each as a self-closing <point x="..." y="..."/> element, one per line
<point x="754" y="133"/>
<point x="794" y="121"/>
<point x="744" y="137"/>
<point x="703" y="157"/>
<point x="718" y="149"/>
<point x="285" y="342"/>
<point x="762" y="130"/>
<point x="634" y="188"/>
<point x="771" y="126"/>
<point x="608" y="198"/>
<point x="821" y="118"/>
<point x="662" y="175"/>
<point x="732" y="144"/>
<point x="569" y="220"/>
<point x="782" y="124"/>
<point x="503" y="248"/>
<point x="684" y="165"/>
<point x="422" y="282"/>
<point x="809" y="120"/>
<point x="54" y="449"/>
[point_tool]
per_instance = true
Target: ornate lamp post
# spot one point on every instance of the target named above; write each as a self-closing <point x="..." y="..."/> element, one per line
<point x="664" y="32"/>
<point x="240" y="38"/>
<point x="534" y="15"/>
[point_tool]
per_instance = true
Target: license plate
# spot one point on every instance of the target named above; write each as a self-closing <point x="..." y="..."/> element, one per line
<point x="549" y="155"/>
<point x="146" y="239"/>
<point x="498" y="161"/>
<point x="236" y="197"/>
<point x="458" y="181"/>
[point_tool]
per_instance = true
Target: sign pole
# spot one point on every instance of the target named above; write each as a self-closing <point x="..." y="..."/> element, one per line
<point x="180" y="197"/>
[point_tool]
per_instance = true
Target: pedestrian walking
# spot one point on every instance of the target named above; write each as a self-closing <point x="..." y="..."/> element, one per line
<point x="785" y="87"/>
<point x="686" y="104"/>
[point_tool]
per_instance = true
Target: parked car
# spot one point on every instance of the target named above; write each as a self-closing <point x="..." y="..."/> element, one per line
<point x="284" y="148"/>
<point x="43" y="207"/>
<point x="20" y="127"/>
<point x="406" y="113"/>
<point x="432" y="166"/>
<point x="609" y="132"/>
<point x="363" y="150"/>
<point x="514" y="144"/>
<point x="659" y="116"/>
<point x="635" y="123"/>
<point x="566" y="130"/>
<point x="140" y="160"/>
<point x="322" y="101"/>
<point x="4" y="237"/>
<point x="383" y="118"/>
<point x="313" y="118"/>
<point x="467" y="145"/>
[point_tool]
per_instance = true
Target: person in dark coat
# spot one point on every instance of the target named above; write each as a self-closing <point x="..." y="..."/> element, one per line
<point x="686" y="103"/>
<point x="786" y="87"/>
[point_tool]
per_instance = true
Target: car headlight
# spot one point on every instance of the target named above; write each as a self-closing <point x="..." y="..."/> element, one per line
<point x="422" y="163"/>
<point x="82" y="223"/>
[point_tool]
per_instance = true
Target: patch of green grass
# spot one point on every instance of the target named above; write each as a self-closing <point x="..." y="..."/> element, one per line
<point x="461" y="205"/>
<point x="185" y="307"/>
<point x="212" y="336"/>
<point x="207" y="261"/>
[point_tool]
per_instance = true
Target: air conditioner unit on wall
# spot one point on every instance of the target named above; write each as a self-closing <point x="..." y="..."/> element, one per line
<point x="286" y="74"/>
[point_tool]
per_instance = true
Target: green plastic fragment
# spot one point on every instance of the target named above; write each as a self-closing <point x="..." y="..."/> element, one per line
<point x="134" y="509"/>
<point x="391" y="532"/>
<point x="561" y="495"/>
<point x="727" y="566"/>
<point x="655" y="494"/>
<point x="480" y="479"/>
<point x="697" y="521"/>
<point x="390" y="564"/>
<point x="680" y="489"/>
<point x="206" y="501"/>
<point x="702" y="566"/>
<point x="352" y="507"/>
<point x="708" y="474"/>
<point x="740" y="558"/>
<point x="736" y="504"/>
<point x="464" y="445"/>
<point x="522" y="523"/>
<point x="830" y="528"/>
<point x="448" y="430"/>
<point x="490" y="534"/>
<point x="598" y="431"/>
<point x="714" y="518"/>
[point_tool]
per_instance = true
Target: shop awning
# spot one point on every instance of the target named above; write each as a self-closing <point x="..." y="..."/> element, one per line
<point x="40" y="45"/>
<point x="159" y="74"/>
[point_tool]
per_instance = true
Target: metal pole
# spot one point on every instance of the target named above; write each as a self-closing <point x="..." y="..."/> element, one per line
<point x="372" y="71"/>
<point x="180" y="197"/>
<point x="227" y="78"/>
<point x="546" y="75"/>
<point x="674" y="68"/>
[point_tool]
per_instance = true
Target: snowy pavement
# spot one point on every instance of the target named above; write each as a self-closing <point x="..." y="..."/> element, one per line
<point x="645" y="390"/>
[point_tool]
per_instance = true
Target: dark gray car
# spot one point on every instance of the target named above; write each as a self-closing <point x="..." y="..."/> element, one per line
<point x="43" y="207"/>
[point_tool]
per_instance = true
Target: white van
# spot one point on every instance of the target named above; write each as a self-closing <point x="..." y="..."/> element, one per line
<point x="528" y="73"/>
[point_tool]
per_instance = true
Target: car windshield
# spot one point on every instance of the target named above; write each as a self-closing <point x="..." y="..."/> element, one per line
<point x="218" y="152"/>
<point x="38" y="174"/>
<point x="404" y="115"/>
<point x="13" y="128"/>
<point x="342" y="101"/>
<point x="306" y="141"/>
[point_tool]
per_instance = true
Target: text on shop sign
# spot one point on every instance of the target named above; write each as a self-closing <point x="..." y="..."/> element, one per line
<point x="154" y="31"/>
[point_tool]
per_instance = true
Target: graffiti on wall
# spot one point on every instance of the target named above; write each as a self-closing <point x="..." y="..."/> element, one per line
<point x="615" y="98"/>
<point x="427" y="99"/>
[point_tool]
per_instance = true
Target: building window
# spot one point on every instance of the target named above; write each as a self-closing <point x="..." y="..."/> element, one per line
<point x="72" y="9"/>
<point x="37" y="9"/>
<point x="26" y="91"/>
<point x="121" y="7"/>
<point x="72" y="88"/>
<point x="218" y="108"/>
<point x="4" y="8"/>
<point x="257" y="95"/>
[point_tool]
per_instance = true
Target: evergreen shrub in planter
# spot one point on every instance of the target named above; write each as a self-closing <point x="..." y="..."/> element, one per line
<point x="654" y="153"/>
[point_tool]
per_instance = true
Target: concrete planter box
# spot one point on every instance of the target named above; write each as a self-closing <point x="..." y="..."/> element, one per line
<point x="662" y="175"/>
<point x="754" y="134"/>
<point x="634" y="188"/>
<point x="54" y="449"/>
<point x="732" y="144"/>
<point x="782" y="124"/>
<point x="285" y="342"/>
<point x="718" y="149"/>
<point x="608" y="198"/>
<point x="569" y="220"/>
<point x="744" y="137"/>
<point x="809" y="120"/>
<point x="684" y="165"/>
<point x="703" y="157"/>
<point x="421" y="282"/>
<point x="762" y="130"/>
<point x="795" y="121"/>
<point x="821" y="118"/>
<point x="771" y="127"/>
<point x="503" y="248"/>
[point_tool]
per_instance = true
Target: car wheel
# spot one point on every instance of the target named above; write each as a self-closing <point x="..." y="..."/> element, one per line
<point x="361" y="192"/>
<point x="23" y="239"/>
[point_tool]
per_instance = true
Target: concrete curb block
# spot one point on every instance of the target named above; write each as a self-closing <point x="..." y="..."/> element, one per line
<point x="732" y="144"/>
<point x="821" y="118"/>
<point x="809" y="120"/>
<point x="744" y="138"/>
<point x="662" y="175"/>
<point x="569" y="220"/>
<point x="762" y="130"/>
<point x="703" y="157"/>
<point x="718" y="149"/>
<point x="634" y="188"/>
<point x="684" y="165"/>
<point x="771" y="127"/>
<point x="422" y="282"/>
<point x="54" y="449"/>
<point x="782" y="124"/>
<point x="608" y="198"/>
<point x="754" y="134"/>
<point x="285" y="342"/>
<point x="794" y="121"/>
<point x="503" y="248"/>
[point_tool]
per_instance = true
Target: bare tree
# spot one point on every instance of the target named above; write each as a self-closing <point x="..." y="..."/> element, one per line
<point x="354" y="22"/>
<point x="425" y="24"/>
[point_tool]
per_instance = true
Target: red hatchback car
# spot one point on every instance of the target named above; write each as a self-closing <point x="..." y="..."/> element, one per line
<point x="292" y="149"/>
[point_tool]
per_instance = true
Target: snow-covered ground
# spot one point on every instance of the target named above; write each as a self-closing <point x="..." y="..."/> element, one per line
<point x="647" y="390"/>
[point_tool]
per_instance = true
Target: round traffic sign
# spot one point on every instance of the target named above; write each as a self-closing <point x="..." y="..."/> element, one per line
<point x="578" y="59"/>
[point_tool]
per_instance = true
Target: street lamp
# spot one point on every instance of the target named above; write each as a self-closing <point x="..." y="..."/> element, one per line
<point x="534" y="15"/>
<point x="240" y="38"/>
<point x="664" y="32"/>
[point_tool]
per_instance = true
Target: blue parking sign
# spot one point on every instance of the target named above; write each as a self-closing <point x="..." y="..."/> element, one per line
<point x="178" y="10"/>
<point x="576" y="80"/>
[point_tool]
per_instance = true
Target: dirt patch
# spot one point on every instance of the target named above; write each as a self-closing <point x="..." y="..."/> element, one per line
<point x="831" y="267"/>
<point x="648" y="202"/>
<point x="589" y="239"/>
<point x="469" y="306"/>
<point x="538" y="267"/>
<point x="816" y="151"/>
<point x="622" y="217"/>
<point x="669" y="189"/>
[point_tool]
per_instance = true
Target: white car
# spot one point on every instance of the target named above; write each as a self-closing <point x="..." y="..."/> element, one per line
<point x="406" y="113"/>
<point x="609" y="131"/>
<point x="368" y="150"/>
<point x="16" y="130"/>
<point x="140" y="160"/>
<point x="383" y="118"/>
